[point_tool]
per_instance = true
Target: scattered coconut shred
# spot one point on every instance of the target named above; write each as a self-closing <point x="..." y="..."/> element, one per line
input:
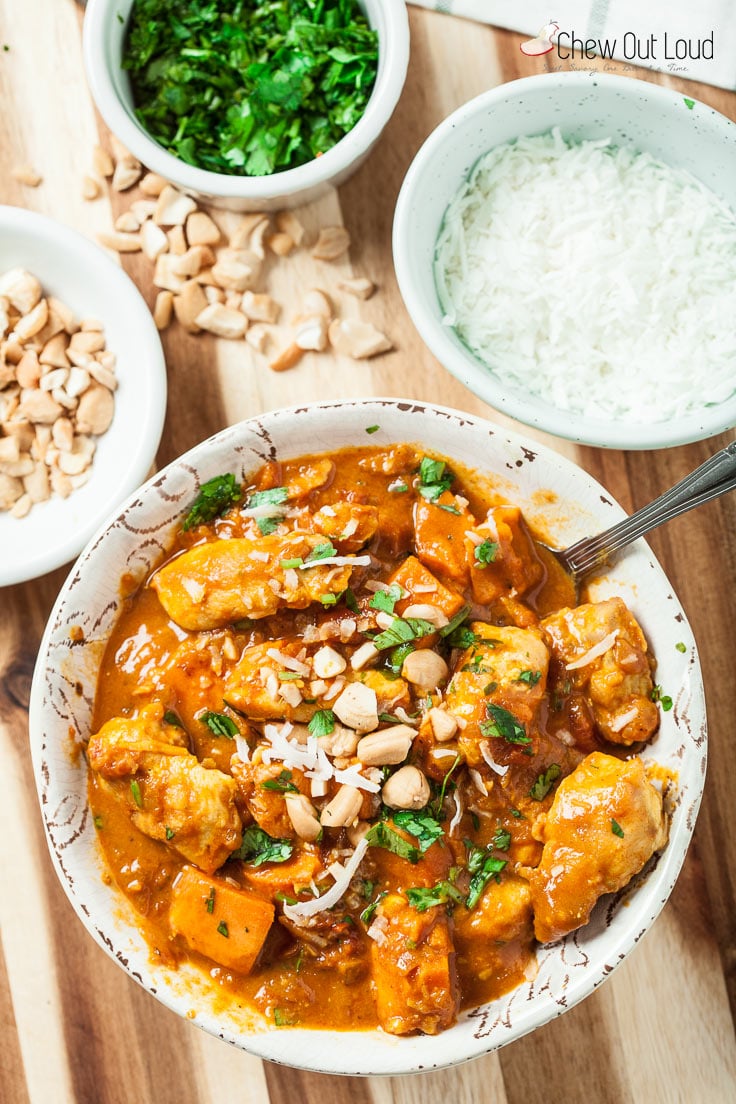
<point x="594" y="277"/>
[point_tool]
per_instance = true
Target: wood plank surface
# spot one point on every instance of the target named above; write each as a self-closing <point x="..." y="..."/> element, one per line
<point x="73" y="1027"/>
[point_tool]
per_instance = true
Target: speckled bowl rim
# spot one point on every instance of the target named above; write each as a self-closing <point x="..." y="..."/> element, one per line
<point x="567" y="971"/>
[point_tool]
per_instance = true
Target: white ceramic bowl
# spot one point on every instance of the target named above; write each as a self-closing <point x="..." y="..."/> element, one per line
<point x="80" y="274"/>
<point x="134" y="540"/>
<point x="105" y="26"/>
<point x="585" y="105"/>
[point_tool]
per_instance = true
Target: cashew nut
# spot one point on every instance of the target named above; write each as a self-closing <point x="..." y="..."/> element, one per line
<point x="386" y="747"/>
<point x="357" y="707"/>
<point x="425" y="669"/>
<point x="303" y="816"/>
<point x="344" y="808"/>
<point x="406" y="789"/>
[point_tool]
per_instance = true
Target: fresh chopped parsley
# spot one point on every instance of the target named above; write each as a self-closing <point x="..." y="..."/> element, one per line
<point x="616" y="828"/>
<point x="135" y="789"/>
<point x="274" y="496"/>
<point x="215" y="497"/>
<point x="223" y="929"/>
<point x="267" y="525"/>
<point x="322" y="723"/>
<point x="329" y="599"/>
<point x="426" y="897"/>
<point x="403" y="630"/>
<point x="397" y="657"/>
<point x="169" y="833"/>
<point x="249" y="89"/>
<point x="422" y="825"/>
<point x="518" y="814"/>
<point x="502" y="839"/>
<point x="372" y="429"/>
<point x="681" y="647"/>
<point x="531" y="678"/>
<point x="482" y="866"/>
<point x="258" y="847"/>
<point x="219" y="724"/>
<point x="503" y="725"/>
<point x="485" y="553"/>
<point x="210" y="902"/>
<point x="383" y="835"/>
<point x="545" y="781"/>
<point x="385" y="600"/>
<point x="282" y="784"/>
<point x="434" y="478"/>
<point x="664" y="699"/>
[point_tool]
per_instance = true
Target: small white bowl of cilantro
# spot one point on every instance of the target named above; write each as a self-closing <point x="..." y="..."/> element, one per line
<point x="254" y="104"/>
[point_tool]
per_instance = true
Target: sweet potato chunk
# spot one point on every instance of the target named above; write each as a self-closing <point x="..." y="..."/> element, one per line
<point x="413" y="961"/>
<point x="605" y="822"/>
<point x="222" y="581"/>
<point x="424" y="588"/>
<point x="349" y="525"/>
<point x="514" y="564"/>
<point x="225" y="924"/>
<point x="289" y="877"/>
<point x="439" y="536"/>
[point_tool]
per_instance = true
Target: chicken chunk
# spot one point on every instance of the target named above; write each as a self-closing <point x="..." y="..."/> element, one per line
<point x="413" y="961"/>
<point x="222" y="581"/>
<point x="254" y="688"/>
<point x="349" y="525"/>
<point x="605" y="822"/>
<point x="603" y="652"/>
<point x="172" y="797"/>
<point x="262" y="787"/>
<point x="494" y="938"/>
<point x="504" y="667"/>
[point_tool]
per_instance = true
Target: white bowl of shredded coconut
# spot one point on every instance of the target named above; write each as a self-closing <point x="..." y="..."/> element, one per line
<point x="566" y="246"/>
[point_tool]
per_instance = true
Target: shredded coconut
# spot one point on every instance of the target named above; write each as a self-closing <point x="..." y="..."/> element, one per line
<point x="594" y="276"/>
<point x="597" y="650"/>
<point x="486" y="753"/>
<point x="304" y="909"/>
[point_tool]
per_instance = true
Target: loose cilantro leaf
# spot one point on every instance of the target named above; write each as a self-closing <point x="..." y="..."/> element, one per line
<point x="274" y="496"/>
<point x="383" y="835"/>
<point x="367" y="914"/>
<point x="282" y="784"/>
<point x="351" y="601"/>
<point x="322" y="723"/>
<point x="502" y="839"/>
<point x="402" y="631"/>
<point x="171" y="718"/>
<point x="485" y="553"/>
<point x="372" y="429"/>
<point x="169" y="833"/>
<point x="321" y="552"/>
<point x="617" y="829"/>
<point x="223" y="930"/>
<point x="483" y="866"/>
<point x="258" y="847"/>
<point x="544" y="782"/>
<point x="386" y="599"/>
<point x="462" y="637"/>
<point x="282" y="1018"/>
<point x="443" y="893"/>
<point x="503" y="725"/>
<point x="434" y="478"/>
<point x="437" y="804"/>
<point x="267" y="525"/>
<point x="215" y="497"/>
<point x="219" y="724"/>
<point x="531" y="678"/>
<point x="681" y="647"/>
<point x="251" y="88"/>
<point x="454" y="623"/>
<point x="420" y="824"/>
<point x="664" y="699"/>
<point x="135" y="789"/>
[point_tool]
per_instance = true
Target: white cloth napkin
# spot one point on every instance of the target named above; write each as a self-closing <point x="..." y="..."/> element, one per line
<point x="628" y="25"/>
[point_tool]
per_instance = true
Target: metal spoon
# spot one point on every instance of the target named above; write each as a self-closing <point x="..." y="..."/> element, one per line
<point x="712" y="479"/>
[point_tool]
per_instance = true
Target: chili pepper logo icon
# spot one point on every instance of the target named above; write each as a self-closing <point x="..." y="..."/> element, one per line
<point x="543" y="43"/>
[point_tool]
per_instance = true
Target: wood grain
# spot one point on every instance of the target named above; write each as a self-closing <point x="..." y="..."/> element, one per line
<point x="73" y="1026"/>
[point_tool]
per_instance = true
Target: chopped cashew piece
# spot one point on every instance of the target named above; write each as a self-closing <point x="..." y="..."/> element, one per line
<point x="406" y="789"/>
<point x="332" y="242"/>
<point x="359" y="286"/>
<point x="173" y="207"/>
<point x="27" y="175"/>
<point x="357" y="707"/>
<point x="222" y="321"/>
<point x="357" y="339"/>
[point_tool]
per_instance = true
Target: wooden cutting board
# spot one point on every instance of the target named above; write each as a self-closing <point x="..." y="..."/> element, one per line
<point x="73" y="1026"/>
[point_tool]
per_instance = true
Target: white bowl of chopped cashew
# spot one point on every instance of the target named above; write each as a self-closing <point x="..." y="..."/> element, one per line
<point x="82" y="392"/>
<point x="562" y="504"/>
<point x="105" y="30"/>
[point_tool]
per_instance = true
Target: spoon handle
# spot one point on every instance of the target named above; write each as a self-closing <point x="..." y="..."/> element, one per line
<point x="712" y="479"/>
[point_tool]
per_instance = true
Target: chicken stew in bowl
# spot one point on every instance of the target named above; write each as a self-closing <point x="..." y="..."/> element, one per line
<point x="357" y="749"/>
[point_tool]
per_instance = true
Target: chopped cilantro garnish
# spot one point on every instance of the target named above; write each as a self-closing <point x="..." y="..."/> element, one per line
<point x="437" y="804"/>
<point x="448" y="509"/>
<point x="169" y="832"/>
<point x="397" y="488"/>
<point x="135" y="789"/>
<point x="282" y="784"/>
<point x="462" y="638"/>
<point x="531" y="678"/>
<point x="215" y="497"/>
<point x="219" y="724"/>
<point x="328" y="599"/>
<point x="423" y="898"/>
<point x="97" y="821"/>
<point x="267" y="525"/>
<point x="274" y="496"/>
<point x="664" y="699"/>
<point x="284" y="1019"/>
<point x="483" y="866"/>
<point x="351" y="601"/>
<point x="383" y="835"/>
<point x="321" y="552"/>
<point x="210" y="902"/>
<point x="249" y="89"/>
<point x="171" y="718"/>
<point x="258" y="847"/>
<point x="297" y="561"/>
<point x="372" y="429"/>
<point x="503" y="725"/>
<point x="518" y="814"/>
<point x="223" y="930"/>
<point x="681" y="647"/>
<point x="434" y="478"/>
<point x="386" y="599"/>
<point x="403" y="630"/>
<point x="367" y="914"/>
<point x="485" y="553"/>
<point x="502" y="839"/>
<point x="422" y="825"/>
<point x="453" y="624"/>
<point x="616" y="828"/>
<point x="544" y="782"/>
<point x="322" y="723"/>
